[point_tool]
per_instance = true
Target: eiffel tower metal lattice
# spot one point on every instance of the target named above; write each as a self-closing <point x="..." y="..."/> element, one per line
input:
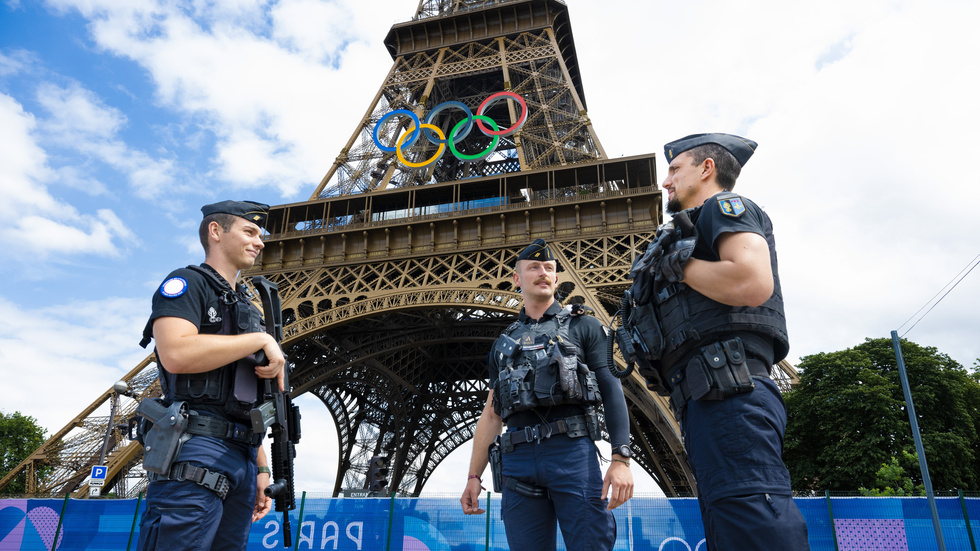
<point x="395" y="275"/>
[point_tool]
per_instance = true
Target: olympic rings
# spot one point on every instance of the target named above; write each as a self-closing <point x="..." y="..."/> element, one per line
<point x="425" y="127"/>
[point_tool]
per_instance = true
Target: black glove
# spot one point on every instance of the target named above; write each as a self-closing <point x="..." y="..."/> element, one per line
<point x="670" y="268"/>
<point x="643" y="271"/>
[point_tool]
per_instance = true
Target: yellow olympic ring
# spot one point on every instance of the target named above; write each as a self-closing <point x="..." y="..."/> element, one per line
<point x="434" y="158"/>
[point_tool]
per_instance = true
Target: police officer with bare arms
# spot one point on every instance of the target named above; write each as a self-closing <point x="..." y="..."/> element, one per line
<point x="206" y="466"/>
<point x="547" y="377"/>
<point x="708" y="304"/>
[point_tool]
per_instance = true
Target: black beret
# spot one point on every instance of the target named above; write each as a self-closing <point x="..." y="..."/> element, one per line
<point x="249" y="210"/>
<point x="538" y="250"/>
<point x="740" y="148"/>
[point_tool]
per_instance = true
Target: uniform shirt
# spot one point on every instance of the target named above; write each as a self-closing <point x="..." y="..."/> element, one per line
<point x="187" y="294"/>
<point x="587" y="333"/>
<point x="718" y="216"/>
<point x="729" y="213"/>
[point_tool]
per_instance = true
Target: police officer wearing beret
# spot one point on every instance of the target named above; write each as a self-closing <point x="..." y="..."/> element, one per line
<point x="711" y="276"/>
<point x="206" y="332"/>
<point x="547" y="377"/>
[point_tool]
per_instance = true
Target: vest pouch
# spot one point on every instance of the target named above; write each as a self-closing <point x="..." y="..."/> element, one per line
<point x="202" y="388"/>
<point x="516" y="390"/>
<point x="698" y="377"/>
<point x="547" y="387"/>
<point x="645" y="330"/>
<point x="564" y="371"/>
<point x="738" y="367"/>
<point x="719" y="371"/>
<point x="245" y="389"/>
<point x="589" y="384"/>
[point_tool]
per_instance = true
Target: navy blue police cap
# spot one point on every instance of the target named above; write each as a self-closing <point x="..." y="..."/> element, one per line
<point x="256" y="213"/>
<point x="538" y="250"/>
<point x="740" y="148"/>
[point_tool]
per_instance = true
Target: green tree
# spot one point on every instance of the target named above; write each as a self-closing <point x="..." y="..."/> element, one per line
<point x="847" y="418"/>
<point x="891" y="481"/>
<point x="19" y="436"/>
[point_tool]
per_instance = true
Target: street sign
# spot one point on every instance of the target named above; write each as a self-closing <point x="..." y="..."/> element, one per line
<point x="97" y="479"/>
<point x="94" y="491"/>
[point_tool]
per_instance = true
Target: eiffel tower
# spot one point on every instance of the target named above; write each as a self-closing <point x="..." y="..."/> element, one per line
<point x="395" y="275"/>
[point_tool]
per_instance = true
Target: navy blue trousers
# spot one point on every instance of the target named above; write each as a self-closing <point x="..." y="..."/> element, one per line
<point x="569" y="469"/>
<point x="735" y="447"/>
<point x="187" y="516"/>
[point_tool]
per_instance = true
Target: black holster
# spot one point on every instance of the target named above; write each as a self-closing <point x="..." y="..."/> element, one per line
<point x="162" y="430"/>
<point x="496" y="465"/>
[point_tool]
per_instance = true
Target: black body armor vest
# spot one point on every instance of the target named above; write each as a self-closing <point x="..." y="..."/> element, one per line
<point x="232" y="390"/>
<point x="541" y="368"/>
<point x="690" y="320"/>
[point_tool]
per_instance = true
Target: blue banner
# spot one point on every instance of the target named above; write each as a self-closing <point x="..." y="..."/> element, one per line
<point x="438" y="524"/>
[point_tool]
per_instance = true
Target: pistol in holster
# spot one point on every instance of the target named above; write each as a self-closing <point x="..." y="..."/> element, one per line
<point x="496" y="465"/>
<point x="162" y="430"/>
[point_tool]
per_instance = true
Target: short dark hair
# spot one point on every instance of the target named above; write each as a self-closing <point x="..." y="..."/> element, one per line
<point x="223" y="219"/>
<point x="726" y="166"/>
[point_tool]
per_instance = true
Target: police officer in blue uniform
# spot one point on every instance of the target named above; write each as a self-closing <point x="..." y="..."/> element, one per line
<point x="711" y="276"/>
<point x="547" y="377"/>
<point x="207" y="493"/>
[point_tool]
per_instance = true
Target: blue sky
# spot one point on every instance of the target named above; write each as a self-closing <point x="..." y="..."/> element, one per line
<point x="120" y="118"/>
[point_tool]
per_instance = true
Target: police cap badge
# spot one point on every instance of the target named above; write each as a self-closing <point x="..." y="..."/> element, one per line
<point x="538" y="250"/>
<point x="740" y="148"/>
<point x="249" y="210"/>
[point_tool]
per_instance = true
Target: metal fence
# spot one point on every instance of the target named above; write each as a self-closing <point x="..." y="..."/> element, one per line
<point x="438" y="524"/>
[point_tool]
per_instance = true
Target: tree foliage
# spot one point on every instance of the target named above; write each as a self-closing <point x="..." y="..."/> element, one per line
<point x="891" y="480"/>
<point x="20" y="435"/>
<point x="847" y="419"/>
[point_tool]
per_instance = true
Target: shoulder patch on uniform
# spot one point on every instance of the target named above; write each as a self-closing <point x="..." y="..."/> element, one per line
<point x="731" y="206"/>
<point x="173" y="287"/>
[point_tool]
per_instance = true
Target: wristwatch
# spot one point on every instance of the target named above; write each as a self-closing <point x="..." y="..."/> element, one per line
<point x="623" y="451"/>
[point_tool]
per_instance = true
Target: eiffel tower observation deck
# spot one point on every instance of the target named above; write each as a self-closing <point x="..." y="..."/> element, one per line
<point x="395" y="274"/>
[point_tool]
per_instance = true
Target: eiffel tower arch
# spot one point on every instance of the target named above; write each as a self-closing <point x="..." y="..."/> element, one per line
<point x="395" y="275"/>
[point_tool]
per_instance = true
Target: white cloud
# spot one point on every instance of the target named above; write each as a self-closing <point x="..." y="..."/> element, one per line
<point x="276" y="98"/>
<point x="90" y="235"/>
<point x="22" y="161"/>
<point x="13" y="63"/>
<point x="39" y="225"/>
<point x="80" y="121"/>
<point x="66" y="356"/>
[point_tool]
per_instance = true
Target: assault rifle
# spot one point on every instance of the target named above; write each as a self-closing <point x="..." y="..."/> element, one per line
<point x="278" y="413"/>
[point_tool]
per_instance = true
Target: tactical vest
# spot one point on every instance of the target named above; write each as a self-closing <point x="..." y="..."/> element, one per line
<point x="232" y="389"/>
<point x="541" y="368"/>
<point x="690" y="320"/>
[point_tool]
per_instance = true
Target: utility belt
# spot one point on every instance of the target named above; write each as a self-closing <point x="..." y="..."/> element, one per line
<point x="216" y="427"/>
<point x="163" y="429"/>
<point x="717" y="371"/>
<point x="212" y="480"/>
<point x="574" y="427"/>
